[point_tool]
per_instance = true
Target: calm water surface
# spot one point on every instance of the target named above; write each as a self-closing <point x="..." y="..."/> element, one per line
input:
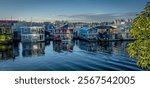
<point x="66" y="56"/>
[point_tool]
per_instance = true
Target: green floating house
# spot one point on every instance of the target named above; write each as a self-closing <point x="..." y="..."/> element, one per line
<point x="6" y="34"/>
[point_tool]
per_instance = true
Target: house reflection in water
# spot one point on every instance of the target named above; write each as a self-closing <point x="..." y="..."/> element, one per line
<point x="59" y="46"/>
<point x="33" y="49"/>
<point x="16" y="49"/>
<point x="6" y="52"/>
<point x="105" y="46"/>
<point x="88" y="46"/>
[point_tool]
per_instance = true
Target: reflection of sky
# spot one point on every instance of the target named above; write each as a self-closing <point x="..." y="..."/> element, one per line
<point x="52" y="9"/>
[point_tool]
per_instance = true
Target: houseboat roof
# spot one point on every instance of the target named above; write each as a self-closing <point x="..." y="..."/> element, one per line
<point x="85" y="28"/>
<point x="120" y="25"/>
<point x="64" y="27"/>
<point x="104" y="27"/>
<point x="51" y="27"/>
<point x="32" y="27"/>
<point x="8" y="21"/>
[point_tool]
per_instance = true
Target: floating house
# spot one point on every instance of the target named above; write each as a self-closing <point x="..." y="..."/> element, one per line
<point x="87" y="33"/>
<point x="17" y="31"/>
<point x="49" y="31"/>
<point x="64" y="33"/>
<point x="106" y="33"/>
<point x="123" y="31"/>
<point x="6" y="32"/>
<point x="32" y="34"/>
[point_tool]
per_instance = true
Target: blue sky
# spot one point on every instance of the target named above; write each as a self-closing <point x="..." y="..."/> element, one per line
<point x="73" y="10"/>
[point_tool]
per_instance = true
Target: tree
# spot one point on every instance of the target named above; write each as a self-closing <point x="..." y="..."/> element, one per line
<point x="140" y="30"/>
<point x="141" y="26"/>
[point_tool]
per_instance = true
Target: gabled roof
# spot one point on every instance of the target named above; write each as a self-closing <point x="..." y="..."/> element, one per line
<point x="51" y="27"/>
<point x="66" y="26"/>
<point x="121" y="25"/>
<point x="84" y="28"/>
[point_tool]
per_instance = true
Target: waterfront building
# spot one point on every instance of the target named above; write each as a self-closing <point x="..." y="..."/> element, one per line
<point x="106" y="32"/>
<point x="123" y="31"/>
<point x="6" y="30"/>
<point x="64" y="33"/>
<point x="87" y="33"/>
<point x="49" y="31"/>
<point x="17" y="31"/>
<point x="6" y="34"/>
<point x="32" y="34"/>
<point x="76" y="32"/>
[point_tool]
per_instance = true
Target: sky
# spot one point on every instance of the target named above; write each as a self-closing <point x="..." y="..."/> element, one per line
<point x="72" y="10"/>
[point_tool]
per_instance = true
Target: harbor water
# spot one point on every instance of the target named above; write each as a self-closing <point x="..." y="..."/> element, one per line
<point x="74" y="55"/>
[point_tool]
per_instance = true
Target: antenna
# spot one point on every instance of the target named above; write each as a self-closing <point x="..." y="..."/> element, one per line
<point x="11" y="18"/>
<point x="31" y="21"/>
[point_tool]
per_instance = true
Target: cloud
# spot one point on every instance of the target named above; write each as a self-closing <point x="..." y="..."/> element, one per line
<point x="98" y="17"/>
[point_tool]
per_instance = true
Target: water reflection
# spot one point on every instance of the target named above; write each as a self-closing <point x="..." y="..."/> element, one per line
<point x="84" y="56"/>
<point x="16" y="49"/>
<point x="33" y="49"/>
<point x="63" y="46"/>
<point x="6" y="52"/>
<point x="107" y="47"/>
<point x="140" y="49"/>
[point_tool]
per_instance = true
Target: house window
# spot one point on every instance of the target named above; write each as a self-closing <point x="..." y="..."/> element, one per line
<point x="41" y="37"/>
<point x="26" y="37"/>
<point x="25" y="30"/>
<point x="1" y="31"/>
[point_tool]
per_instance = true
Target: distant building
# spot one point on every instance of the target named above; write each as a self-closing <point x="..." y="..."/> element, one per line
<point x="32" y="34"/>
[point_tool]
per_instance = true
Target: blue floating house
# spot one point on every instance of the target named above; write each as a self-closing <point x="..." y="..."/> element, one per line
<point x="88" y="34"/>
<point x="17" y="31"/>
<point x="49" y="31"/>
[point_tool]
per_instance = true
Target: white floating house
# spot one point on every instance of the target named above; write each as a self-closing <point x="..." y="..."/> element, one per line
<point x="32" y="34"/>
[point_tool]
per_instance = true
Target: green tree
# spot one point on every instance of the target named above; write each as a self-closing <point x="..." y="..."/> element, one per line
<point x="141" y="26"/>
<point x="140" y="30"/>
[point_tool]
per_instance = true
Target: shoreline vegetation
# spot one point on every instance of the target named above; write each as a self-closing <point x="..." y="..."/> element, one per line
<point x="140" y="49"/>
